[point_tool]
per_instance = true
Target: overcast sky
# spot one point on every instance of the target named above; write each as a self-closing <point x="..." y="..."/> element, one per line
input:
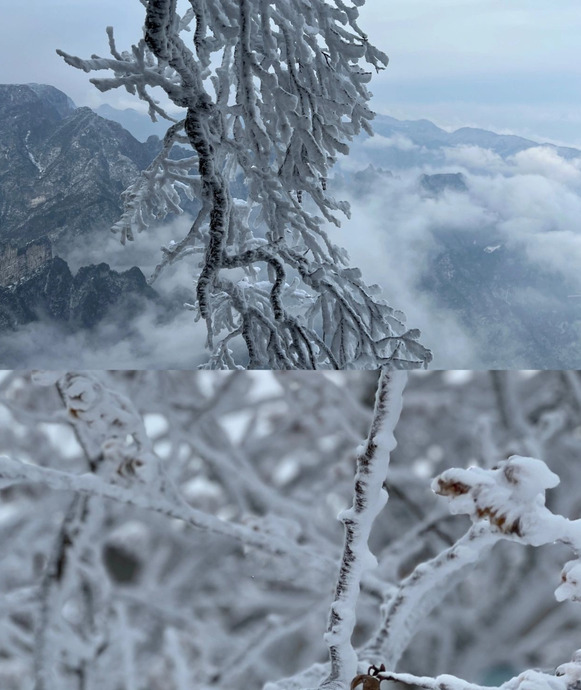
<point x="507" y="65"/>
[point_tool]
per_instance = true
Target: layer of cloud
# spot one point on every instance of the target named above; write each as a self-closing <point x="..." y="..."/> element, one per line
<point x="523" y="313"/>
<point x="151" y="340"/>
<point x="490" y="275"/>
<point x="474" y="158"/>
<point x="397" y="141"/>
<point x="144" y="343"/>
<point x="555" y="118"/>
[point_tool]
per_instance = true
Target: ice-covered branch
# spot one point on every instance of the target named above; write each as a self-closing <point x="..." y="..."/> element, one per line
<point x="511" y="497"/>
<point x="269" y="94"/>
<point x="368" y="501"/>
<point x="506" y="502"/>
<point x="421" y="592"/>
<point x="567" y="677"/>
<point x="530" y="680"/>
<point x="150" y="498"/>
<point x="111" y="435"/>
<point x="155" y="192"/>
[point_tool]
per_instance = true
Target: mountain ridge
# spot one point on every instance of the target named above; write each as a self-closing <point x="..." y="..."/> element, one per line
<point x="503" y="144"/>
<point x="141" y="126"/>
<point x="76" y="301"/>
<point x="62" y="168"/>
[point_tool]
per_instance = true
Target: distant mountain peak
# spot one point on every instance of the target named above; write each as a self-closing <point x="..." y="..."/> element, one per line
<point x="64" y="168"/>
<point x="53" y="294"/>
<point x="58" y="98"/>
<point x="19" y="94"/>
<point x="139" y="124"/>
<point x="428" y="135"/>
<point x="17" y="263"/>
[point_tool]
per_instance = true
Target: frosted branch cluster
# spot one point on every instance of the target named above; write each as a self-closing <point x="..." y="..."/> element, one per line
<point x="119" y="518"/>
<point x="269" y="94"/>
<point x="167" y="530"/>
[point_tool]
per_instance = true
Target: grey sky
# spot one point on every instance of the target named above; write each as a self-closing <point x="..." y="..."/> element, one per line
<point x="509" y="66"/>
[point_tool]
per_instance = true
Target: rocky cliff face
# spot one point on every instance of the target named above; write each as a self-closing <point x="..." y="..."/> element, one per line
<point x="62" y="169"/>
<point x="435" y="185"/>
<point x="78" y="301"/>
<point x="18" y="263"/>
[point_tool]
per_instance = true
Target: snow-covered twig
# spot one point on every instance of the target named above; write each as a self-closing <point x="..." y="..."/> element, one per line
<point x="531" y="680"/>
<point x="13" y="471"/>
<point x="505" y="503"/>
<point x="567" y="677"/>
<point x="421" y="592"/>
<point x="368" y="501"/>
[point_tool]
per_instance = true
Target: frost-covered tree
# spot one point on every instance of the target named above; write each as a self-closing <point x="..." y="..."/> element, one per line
<point x="271" y="91"/>
<point x="170" y="530"/>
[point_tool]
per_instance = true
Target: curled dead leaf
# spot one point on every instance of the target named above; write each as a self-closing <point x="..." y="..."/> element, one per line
<point x="366" y="682"/>
<point x="452" y="488"/>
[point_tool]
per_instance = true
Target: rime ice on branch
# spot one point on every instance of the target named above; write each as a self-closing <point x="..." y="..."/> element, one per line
<point x="231" y="539"/>
<point x="506" y="502"/>
<point x="286" y="96"/>
<point x="224" y="540"/>
<point x="116" y="448"/>
<point x="369" y="499"/>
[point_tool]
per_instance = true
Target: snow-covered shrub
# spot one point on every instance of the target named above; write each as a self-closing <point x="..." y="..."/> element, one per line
<point x="171" y="530"/>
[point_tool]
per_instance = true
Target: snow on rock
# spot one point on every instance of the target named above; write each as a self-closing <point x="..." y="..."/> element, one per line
<point x="33" y="160"/>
